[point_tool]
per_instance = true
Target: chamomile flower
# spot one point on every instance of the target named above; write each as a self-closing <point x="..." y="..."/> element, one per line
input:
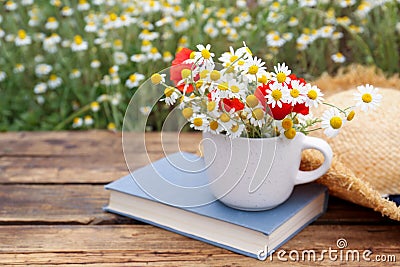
<point x="296" y="94"/>
<point x="293" y="22"/>
<point x="254" y="67"/>
<point x="51" y="24"/>
<point x="83" y="5"/>
<point x="120" y="58"/>
<point x="277" y="94"/>
<point x="332" y="121"/>
<point x="213" y="109"/>
<point x="95" y="64"/>
<point x="43" y="69"/>
<point x="19" y="68"/>
<point x="257" y="117"/>
<point x="274" y="39"/>
<point x="236" y="130"/>
<point x="26" y="2"/>
<point x="138" y="58"/>
<point x="167" y="56"/>
<point x="338" y="58"/>
<point x="77" y="122"/>
<point x="40" y="88"/>
<point x="134" y="80"/>
<point x="171" y="95"/>
<point x="232" y="58"/>
<point x="154" y="54"/>
<point x="313" y="96"/>
<point x="91" y="26"/>
<point x="75" y="73"/>
<point x="211" y="30"/>
<point x="199" y="122"/>
<point x="145" y="110"/>
<point x="95" y="106"/>
<point x="88" y="120"/>
<point x="10" y="6"/>
<point x="66" y="11"/>
<point x="22" y="39"/>
<point x="79" y="44"/>
<point x="215" y="127"/>
<point x="367" y="97"/>
<point x="281" y="74"/>
<point x="54" y="81"/>
<point x="225" y="120"/>
<point x="204" y="56"/>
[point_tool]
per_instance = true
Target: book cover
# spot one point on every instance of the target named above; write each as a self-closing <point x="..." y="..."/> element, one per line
<point x="148" y="187"/>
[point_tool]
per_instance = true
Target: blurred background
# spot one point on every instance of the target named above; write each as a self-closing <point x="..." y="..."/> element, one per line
<point x="76" y="64"/>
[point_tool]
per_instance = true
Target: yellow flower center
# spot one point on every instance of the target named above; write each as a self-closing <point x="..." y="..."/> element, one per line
<point x="240" y="62"/>
<point x="233" y="58"/>
<point x="94" y="105"/>
<point x="251" y="101"/>
<point x="192" y="55"/>
<point x="253" y="69"/>
<point x="118" y="42"/>
<point x="215" y="75"/>
<point x="235" y="128"/>
<point x="185" y="73"/>
<point x="199" y="83"/>
<point x="21" y="34"/>
<point x="276" y="94"/>
<point x="169" y="91"/>
<point x="203" y="74"/>
<point x="366" y="98"/>
<point x="351" y="115"/>
<point x="154" y="50"/>
<point x="53" y="77"/>
<point x="113" y="17"/>
<point x="51" y="19"/>
<point x="290" y="134"/>
<point x="156" y="78"/>
<point x="235" y="89"/>
<point x="198" y="122"/>
<point x="258" y="114"/>
<point x="187" y="112"/>
<point x="281" y="77"/>
<point x="294" y="93"/>
<point x="263" y="79"/>
<point x="211" y="105"/>
<point x="224" y="117"/>
<point x="336" y="122"/>
<point x="287" y="124"/>
<point x="205" y="54"/>
<point x="213" y="125"/>
<point x="78" y="39"/>
<point x="132" y="77"/>
<point x="223" y="86"/>
<point x="312" y="94"/>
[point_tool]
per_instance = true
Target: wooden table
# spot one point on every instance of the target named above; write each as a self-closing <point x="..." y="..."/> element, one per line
<point x="51" y="196"/>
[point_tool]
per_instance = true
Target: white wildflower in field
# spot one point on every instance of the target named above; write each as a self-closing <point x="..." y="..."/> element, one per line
<point x="3" y="76"/>
<point x="54" y="81"/>
<point x="66" y="11"/>
<point x="120" y="58"/>
<point x="19" y="68"/>
<point x="22" y="39"/>
<point x="51" y="24"/>
<point x="40" y="88"/>
<point x="338" y="57"/>
<point x="43" y="70"/>
<point x="79" y="44"/>
<point x="95" y="64"/>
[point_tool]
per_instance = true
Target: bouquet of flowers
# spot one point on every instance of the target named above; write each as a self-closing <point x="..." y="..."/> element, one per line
<point x="239" y="97"/>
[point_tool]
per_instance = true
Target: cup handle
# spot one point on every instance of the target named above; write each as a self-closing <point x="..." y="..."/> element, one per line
<point x="319" y="144"/>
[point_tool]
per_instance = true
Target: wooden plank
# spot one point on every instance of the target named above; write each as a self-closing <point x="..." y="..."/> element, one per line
<point x="82" y="204"/>
<point x="139" y="245"/>
<point x="89" y="143"/>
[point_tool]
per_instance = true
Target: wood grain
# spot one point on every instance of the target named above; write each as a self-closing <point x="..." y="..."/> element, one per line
<point x="138" y="245"/>
<point x="82" y="204"/>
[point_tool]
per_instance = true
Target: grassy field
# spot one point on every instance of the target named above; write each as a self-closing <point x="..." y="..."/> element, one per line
<point x="75" y="64"/>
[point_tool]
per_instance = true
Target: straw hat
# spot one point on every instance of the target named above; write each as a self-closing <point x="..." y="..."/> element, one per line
<point x="367" y="151"/>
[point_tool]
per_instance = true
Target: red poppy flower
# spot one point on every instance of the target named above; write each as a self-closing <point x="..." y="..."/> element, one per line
<point x="178" y="66"/>
<point x="230" y="103"/>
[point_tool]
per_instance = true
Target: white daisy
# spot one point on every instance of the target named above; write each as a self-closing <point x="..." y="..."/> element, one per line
<point x="66" y="11"/>
<point x="51" y="24"/>
<point x="43" y="69"/>
<point x="40" y="88"/>
<point x="281" y="74"/>
<point x="120" y="58"/>
<point x="257" y="117"/>
<point x="296" y="94"/>
<point x="213" y="109"/>
<point x="277" y="94"/>
<point x="204" y="57"/>
<point x="95" y="64"/>
<point x="228" y="58"/>
<point x="215" y="127"/>
<point x="54" y="81"/>
<point x="332" y="121"/>
<point x="3" y="76"/>
<point x="236" y="130"/>
<point x="199" y="122"/>
<point x="145" y="110"/>
<point x="313" y="96"/>
<point x="244" y="51"/>
<point x="338" y="58"/>
<point x="88" y="120"/>
<point x="367" y="97"/>
<point x="134" y="80"/>
<point x="77" y="122"/>
<point x="253" y="68"/>
<point x="79" y="44"/>
<point x="22" y="39"/>
<point x="171" y="95"/>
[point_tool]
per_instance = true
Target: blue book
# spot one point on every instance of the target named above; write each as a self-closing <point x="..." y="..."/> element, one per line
<point x="169" y="196"/>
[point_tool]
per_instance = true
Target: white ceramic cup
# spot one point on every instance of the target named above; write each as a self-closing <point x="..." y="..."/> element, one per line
<point x="259" y="173"/>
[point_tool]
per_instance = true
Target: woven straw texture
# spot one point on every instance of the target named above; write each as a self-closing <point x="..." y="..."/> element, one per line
<point x="367" y="153"/>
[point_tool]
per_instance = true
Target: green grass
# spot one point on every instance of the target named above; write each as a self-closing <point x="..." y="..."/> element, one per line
<point x="377" y="43"/>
